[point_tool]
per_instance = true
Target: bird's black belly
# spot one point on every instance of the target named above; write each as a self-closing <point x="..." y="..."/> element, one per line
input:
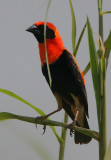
<point x="62" y="80"/>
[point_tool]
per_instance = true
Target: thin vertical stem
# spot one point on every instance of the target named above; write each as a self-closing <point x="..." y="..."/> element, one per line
<point x="102" y="69"/>
<point x="101" y="26"/>
<point x="102" y="146"/>
<point x="104" y="108"/>
<point x="47" y="63"/>
<point x="100" y="18"/>
<point x="103" y="104"/>
<point x="63" y="136"/>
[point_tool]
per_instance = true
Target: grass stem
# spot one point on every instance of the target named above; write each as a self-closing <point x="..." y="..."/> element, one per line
<point x="102" y="66"/>
<point x="63" y="136"/>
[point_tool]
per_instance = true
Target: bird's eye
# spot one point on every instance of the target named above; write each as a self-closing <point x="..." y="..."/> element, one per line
<point x="41" y="28"/>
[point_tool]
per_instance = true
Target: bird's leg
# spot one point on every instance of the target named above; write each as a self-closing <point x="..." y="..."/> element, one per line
<point x="75" y="119"/>
<point x="45" y="117"/>
<point x="72" y="125"/>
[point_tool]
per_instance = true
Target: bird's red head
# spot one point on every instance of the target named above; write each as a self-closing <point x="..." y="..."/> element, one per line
<point x="54" y="43"/>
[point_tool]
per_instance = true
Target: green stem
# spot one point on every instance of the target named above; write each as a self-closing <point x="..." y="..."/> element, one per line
<point x="107" y="12"/>
<point x="63" y="136"/>
<point x="102" y="66"/>
<point x="47" y="63"/>
<point x="101" y="26"/>
<point x="88" y="132"/>
<point x="103" y="109"/>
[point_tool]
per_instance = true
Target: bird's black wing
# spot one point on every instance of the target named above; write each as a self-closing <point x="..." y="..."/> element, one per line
<point x="67" y="78"/>
<point x="77" y="77"/>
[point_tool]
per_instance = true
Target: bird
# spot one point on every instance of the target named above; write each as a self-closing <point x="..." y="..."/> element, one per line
<point x="68" y="82"/>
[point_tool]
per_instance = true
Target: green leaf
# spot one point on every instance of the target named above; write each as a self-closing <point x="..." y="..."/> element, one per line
<point x="107" y="45"/>
<point x="79" y="40"/>
<point x="22" y="100"/>
<point x="88" y="132"/>
<point x="94" y="67"/>
<point x="60" y="140"/>
<point x="32" y="106"/>
<point x="102" y="13"/>
<point x="108" y="153"/>
<point x="6" y="116"/>
<point x="86" y="69"/>
<point x="73" y="26"/>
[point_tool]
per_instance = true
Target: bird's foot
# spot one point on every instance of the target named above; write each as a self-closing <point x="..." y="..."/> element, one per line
<point x="38" y="119"/>
<point x="71" y="127"/>
<point x="45" y="117"/>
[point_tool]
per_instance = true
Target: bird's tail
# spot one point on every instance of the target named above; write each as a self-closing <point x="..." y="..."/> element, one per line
<point x="79" y="137"/>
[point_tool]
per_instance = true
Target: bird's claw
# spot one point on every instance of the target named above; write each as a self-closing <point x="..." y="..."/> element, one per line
<point x="44" y="129"/>
<point x="71" y="127"/>
<point x="36" y="122"/>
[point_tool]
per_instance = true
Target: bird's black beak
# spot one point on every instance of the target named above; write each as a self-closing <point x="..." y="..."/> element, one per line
<point x="33" y="29"/>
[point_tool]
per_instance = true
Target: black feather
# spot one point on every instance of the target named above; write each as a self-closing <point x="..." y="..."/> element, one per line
<point x="67" y="80"/>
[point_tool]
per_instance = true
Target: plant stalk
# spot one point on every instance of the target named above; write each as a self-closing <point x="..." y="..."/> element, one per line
<point x="102" y="147"/>
<point x="88" y="132"/>
<point x="63" y="136"/>
<point x="102" y="73"/>
<point x="104" y="107"/>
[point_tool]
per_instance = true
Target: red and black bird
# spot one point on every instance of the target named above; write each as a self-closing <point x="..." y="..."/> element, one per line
<point x="68" y="83"/>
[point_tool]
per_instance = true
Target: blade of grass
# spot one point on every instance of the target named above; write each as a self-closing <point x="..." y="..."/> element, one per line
<point x="22" y="100"/>
<point x="107" y="45"/>
<point x="102" y="75"/>
<point x="86" y="69"/>
<point x="73" y="26"/>
<point x="6" y="116"/>
<point x="48" y="69"/>
<point x="94" y="67"/>
<point x="102" y="13"/>
<point x="63" y="136"/>
<point x="103" y="131"/>
<point x="32" y="106"/>
<point x="79" y="40"/>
